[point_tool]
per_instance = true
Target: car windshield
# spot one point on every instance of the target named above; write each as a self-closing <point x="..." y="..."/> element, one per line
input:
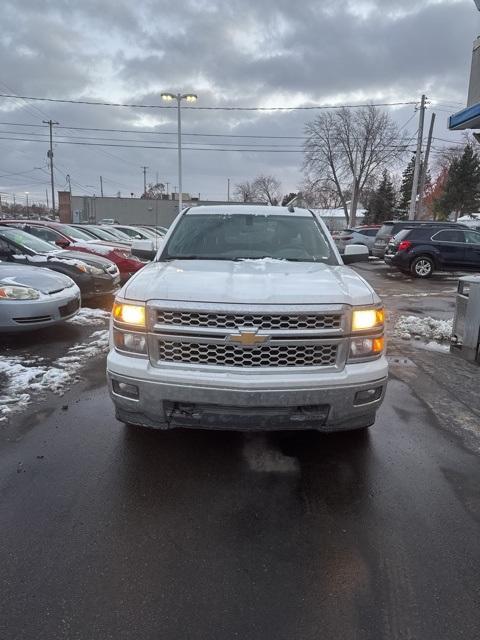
<point x="385" y="230"/>
<point x="116" y="233"/>
<point x="101" y="233"/>
<point x="74" y="233"/>
<point x="26" y="240"/>
<point x="247" y="236"/>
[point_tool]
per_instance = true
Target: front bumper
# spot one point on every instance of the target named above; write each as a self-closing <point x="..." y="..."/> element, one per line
<point x="327" y="402"/>
<point x="25" y="315"/>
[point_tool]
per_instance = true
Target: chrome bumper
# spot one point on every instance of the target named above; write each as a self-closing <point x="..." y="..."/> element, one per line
<point x="166" y="406"/>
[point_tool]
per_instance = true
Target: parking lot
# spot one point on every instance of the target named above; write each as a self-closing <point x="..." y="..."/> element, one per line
<point x="127" y="533"/>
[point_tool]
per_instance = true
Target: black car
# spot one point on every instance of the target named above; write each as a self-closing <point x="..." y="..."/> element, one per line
<point x="423" y="250"/>
<point x="94" y="275"/>
<point x="390" y="228"/>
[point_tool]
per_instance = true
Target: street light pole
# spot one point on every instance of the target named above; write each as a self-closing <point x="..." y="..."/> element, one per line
<point x="179" y="131"/>
<point x="28" y="210"/>
<point x="189" y="97"/>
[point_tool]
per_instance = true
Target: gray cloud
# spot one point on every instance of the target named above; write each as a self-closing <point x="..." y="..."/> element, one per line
<point x="232" y="52"/>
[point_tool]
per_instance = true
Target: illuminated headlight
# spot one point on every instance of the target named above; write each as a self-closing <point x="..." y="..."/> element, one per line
<point x="366" y="347"/>
<point x="18" y="293"/>
<point x="129" y="314"/>
<point x="129" y="341"/>
<point x="364" y="319"/>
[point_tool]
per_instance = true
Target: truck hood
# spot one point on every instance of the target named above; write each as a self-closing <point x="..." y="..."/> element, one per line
<point x="249" y="282"/>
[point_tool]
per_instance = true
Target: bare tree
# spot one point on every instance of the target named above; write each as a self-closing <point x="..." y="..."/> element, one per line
<point x="267" y="188"/>
<point x="347" y="147"/>
<point x="245" y="192"/>
<point x="154" y="192"/>
<point x="321" y="193"/>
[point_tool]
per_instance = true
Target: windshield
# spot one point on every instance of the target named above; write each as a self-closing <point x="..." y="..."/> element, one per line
<point x="74" y="233"/>
<point x="385" y="230"/>
<point x="116" y="233"/>
<point x="239" y="236"/>
<point x="102" y="234"/>
<point x="26" y="240"/>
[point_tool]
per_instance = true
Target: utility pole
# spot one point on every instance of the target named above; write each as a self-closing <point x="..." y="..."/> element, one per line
<point x="168" y="184"/>
<point x="46" y="194"/>
<point x="418" y="162"/>
<point x="101" y="186"/>
<point x="50" y="155"/>
<point x="144" y="180"/>
<point x="423" y="177"/>
<point x="228" y="189"/>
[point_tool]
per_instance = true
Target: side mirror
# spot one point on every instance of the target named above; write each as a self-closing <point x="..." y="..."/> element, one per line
<point x="146" y="249"/>
<point x="355" y="253"/>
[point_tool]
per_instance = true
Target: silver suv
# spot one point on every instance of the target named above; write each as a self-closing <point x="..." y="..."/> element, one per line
<point x="248" y="319"/>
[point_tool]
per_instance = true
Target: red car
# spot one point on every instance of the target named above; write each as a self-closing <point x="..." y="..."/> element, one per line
<point x="73" y="239"/>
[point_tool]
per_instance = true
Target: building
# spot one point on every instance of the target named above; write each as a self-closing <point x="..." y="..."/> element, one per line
<point x="160" y="212"/>
<point x="335" y="218"/>
<point x="469" y="118"/>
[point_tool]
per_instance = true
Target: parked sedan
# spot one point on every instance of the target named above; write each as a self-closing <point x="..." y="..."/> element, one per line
<point x="67" y="236"/>
<point x="94" y="275"/>
<point x="364" y="235"/>
<point x="97" y="232"/>
<point x="34" y="298"/>
<point x="423" y="250"/>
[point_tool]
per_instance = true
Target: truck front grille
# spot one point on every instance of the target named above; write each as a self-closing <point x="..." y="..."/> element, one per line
<point x="268" y="355"/>
<point x="260" y="321"/>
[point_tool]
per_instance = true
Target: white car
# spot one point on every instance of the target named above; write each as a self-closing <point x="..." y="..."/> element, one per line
<point x="248" y="319"/>
<point x="35" y="298"/>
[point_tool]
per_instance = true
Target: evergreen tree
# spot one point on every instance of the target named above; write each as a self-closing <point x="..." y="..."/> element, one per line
<point x="381" y="204"/>
<point x="461" y="194"/>
<point x="406" y="188"/>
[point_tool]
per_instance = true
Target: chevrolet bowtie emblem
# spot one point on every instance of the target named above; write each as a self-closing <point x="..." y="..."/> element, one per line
<point x="247" y="338"/>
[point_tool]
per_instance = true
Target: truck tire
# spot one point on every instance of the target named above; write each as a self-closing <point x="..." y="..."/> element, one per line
<point x="422" y="267"/>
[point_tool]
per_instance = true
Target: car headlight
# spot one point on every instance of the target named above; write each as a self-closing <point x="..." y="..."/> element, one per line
<point x="366" y="348"/>
<point x="129" y="314"/>
<point x="123" y="254"/>
<point x="18" y="293"/>
<point x="130" y="341"/>
<point x="365" y="319"/>
<point x="88" y="268"/>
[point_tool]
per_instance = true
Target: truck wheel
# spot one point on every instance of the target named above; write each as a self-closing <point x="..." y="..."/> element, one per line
<point x="422" y="267"/>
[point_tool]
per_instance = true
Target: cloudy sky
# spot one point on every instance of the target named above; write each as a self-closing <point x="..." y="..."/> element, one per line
<point x="232" y="53"/>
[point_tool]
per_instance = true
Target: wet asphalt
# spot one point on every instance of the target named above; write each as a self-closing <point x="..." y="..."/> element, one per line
<point x="112" y="532"/>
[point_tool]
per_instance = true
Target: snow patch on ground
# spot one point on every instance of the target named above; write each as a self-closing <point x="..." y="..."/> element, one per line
<point x="94" y="317"/>
<point x="426" y="328"/>
<point x="23" y="376"/>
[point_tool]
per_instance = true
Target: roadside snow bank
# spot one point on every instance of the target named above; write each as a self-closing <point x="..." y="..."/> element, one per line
<point x="427" y="328"/>
<point x="21" y="377"/>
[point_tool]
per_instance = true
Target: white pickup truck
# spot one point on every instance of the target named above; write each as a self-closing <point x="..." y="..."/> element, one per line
<point x="249" y="320"/>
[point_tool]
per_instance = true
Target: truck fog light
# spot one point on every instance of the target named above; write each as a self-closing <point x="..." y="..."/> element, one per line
<point x="129" y="341"/>
<point x="369" y="395"/>
<point x="125" y="389"/>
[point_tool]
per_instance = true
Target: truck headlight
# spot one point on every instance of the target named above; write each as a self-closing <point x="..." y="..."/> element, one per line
<point x="364" y="319"/>
<point x="129" y="341"/>
<point x="18" y="293"/>
<point x="366" y="347"/>
<point x="129" y="314"/>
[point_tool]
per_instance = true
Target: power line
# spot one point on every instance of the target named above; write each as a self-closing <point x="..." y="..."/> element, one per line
<point x="197" y="108"/>
<point x="256" y="149"/>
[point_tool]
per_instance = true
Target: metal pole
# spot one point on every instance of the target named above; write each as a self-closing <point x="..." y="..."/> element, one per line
<point x="28" y="210"/>
<point x="179" y="100"/>
<point x="46" y="193"/>
<point x="144" y="180"/>
<point x="228" y="189"/>
<point x="50" y="156"/>
<point x="101" y="186"/>
<point x="418" y="162"/>
<point x="423" y="177"/>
